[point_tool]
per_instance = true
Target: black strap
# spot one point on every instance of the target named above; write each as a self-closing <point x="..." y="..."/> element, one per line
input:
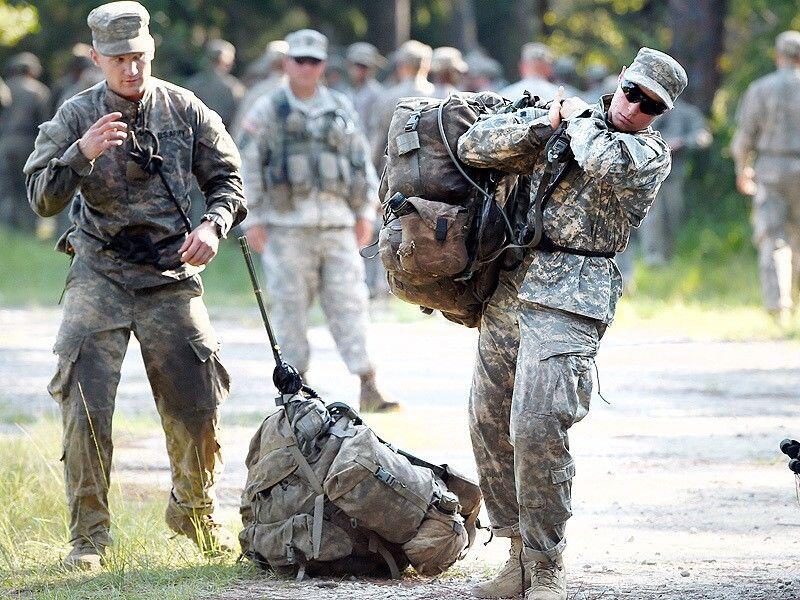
<point x="548" y="245"/>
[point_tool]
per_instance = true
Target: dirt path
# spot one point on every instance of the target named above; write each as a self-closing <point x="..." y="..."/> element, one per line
<point x="680" y="492"/>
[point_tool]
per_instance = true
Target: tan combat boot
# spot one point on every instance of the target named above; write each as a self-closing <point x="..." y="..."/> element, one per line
<point x="371" y="399"/>
<point x="210" y="537"/>
<point x="509" y="581"/>
<point x="85" y="555"/>
<point x="548" y="580"/>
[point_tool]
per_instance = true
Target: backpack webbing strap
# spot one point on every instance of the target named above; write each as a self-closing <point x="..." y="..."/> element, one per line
<point x="376" y="546"/>
<point x="384" y="476"/>
<point x="470" y="525"/>
<point x="319" y="501"/>
<point x="408" y="141"/>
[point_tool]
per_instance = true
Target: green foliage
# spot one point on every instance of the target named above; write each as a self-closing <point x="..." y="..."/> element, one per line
<point x="16" y="22"/>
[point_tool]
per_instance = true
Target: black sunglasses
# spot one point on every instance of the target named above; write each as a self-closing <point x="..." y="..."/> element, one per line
<point x="306" y="60"/>
<point x="634" y="94"/>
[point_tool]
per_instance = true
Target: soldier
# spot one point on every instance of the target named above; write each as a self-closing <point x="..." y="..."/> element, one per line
<point x="766" y="149"/>
<point x="684" y="129"/>
<point x="270" y="65"/>
<point x="536" y="69"/>
<point x="565" y="74"/>
<point x="307" y="174"/>
<point x="447" y="71"/>
<point x="136" y="268"/>
<point x="412" y="62"/>
<point x="541" y="329"/>
<point x="363" y="61"/>
<point x="214" y="85"/>
<point x="30" y="106"/>
<point x="484" y="74"/>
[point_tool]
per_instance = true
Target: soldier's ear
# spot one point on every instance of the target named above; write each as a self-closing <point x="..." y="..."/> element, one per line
<point x="93" y="54"/>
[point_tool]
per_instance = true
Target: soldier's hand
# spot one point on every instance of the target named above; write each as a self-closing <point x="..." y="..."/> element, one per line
<point x="573" y="106"/>
<point x="256" y="237"/>
<point x="107" y="132"/>
<point x="554" y="113"/>
<point x="201" y="245"/>
<point x="363" y="232"/>
<point x="746" y="181"/>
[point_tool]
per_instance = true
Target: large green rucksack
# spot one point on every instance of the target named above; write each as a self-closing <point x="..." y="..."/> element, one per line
<point x="446" y="224"/>
<point x="325" y="495"/>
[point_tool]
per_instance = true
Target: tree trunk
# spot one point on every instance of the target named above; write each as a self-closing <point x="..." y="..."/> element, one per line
<point x="389" y="23"/>
<point x="465" y="25"/>
<point x="698" y="28"/>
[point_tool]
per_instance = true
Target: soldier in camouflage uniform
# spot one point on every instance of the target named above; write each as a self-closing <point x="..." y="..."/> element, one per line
<point x="541" y="329"/>
<point x="214" y="85"/>
<point x="136" y="268"/>
<point x="311" y="187"/>
<point x="766" y="149"/>
<point x="684" y="129"/>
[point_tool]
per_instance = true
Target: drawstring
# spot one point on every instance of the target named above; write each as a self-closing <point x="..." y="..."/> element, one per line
<point x="599" y="392"/>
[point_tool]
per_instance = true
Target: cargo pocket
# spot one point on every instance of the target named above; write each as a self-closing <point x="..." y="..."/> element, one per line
<point x="433" y="239"/>
<point x="291" y="542"/>
<point x="205" y="346"/>
<point x="561" y="504"/>
<point x="68" y="351"/>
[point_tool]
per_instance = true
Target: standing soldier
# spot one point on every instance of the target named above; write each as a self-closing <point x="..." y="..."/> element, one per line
<point x="447" y="71"/>
<point x="766" y="149"/>
<point x="270" y="65"/>
<point x="130" y="146"/>
<point x="536" y="70"/>
<point x="306" y="173"/>
<point x="214" y="85"/>
<point x="363" y="61"/>
<point x="30" y="106"/>
<point x="542" y="327"/>
<point x="684" y="129"/>
<point x="412" y="62"/>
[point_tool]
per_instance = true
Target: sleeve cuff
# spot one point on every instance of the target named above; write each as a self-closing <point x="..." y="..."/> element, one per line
<point x="75" y="159"/>
<point x="222" y="218"/>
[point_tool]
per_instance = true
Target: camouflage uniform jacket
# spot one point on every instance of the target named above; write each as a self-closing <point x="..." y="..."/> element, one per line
<point x="264" y="143"/>
<point x="611" y="189"/>
<point x="115" y="194"/>
<point x="769" y="124"/>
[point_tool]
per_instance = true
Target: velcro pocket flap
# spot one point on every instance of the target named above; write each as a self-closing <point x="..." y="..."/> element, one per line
<point x="204" y="345"/>
<point x="563" y="474"/>
<point x="55" y="131"/>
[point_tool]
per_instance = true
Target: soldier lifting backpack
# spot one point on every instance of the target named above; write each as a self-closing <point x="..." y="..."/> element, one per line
<point x="325" y="495"/>
<point x="445" y="223"/>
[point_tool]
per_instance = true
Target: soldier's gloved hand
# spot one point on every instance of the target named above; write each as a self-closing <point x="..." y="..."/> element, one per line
<point x="256" y="237"/>
<point x="363" y="232"/>
<point x="746" y="181"/>
<point x="201" y="245"/>
<point x="107" y="132"/>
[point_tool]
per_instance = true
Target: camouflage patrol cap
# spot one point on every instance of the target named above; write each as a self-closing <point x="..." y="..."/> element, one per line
<point x="480" y="64"/>
<point x="120" y="28"/>
<point x="659" y="73"/>
<point x="24" y="62"/>
<point x="217" y="48"/>
<point x="307" y="43"/>
<point x="446" y="58"/>
<point x="362" y="53"/>
<point x="788" y="44"/>
<point x="414" y="52"/>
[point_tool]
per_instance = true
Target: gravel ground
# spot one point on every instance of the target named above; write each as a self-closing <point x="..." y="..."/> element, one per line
<point x="681" y="492"/>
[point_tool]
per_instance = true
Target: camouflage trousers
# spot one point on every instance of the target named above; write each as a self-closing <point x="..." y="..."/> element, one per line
<point x="15" y="212"/>
<point x="776" y="235"/>
<point x="662" y="225"/>
<point x="179" y="348"/>
<point x="301" y="263"/>
<point x="532" y="382"/>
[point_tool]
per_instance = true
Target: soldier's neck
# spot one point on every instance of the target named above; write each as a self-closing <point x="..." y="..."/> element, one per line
<point x="303" y="92"/>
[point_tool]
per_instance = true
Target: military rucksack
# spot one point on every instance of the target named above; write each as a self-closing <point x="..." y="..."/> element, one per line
<point x="325" y="495"/>
<point x="445" y="223"/>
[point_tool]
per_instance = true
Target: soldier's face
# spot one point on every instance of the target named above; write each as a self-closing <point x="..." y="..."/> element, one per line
<point x="127" y="74"/>
<point x="304" y="72"/>
<point x="628" y="116"/>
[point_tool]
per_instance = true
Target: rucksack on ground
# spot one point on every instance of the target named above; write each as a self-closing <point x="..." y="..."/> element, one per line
<point x="325" y="495"/>
<point x="446" y="223"/>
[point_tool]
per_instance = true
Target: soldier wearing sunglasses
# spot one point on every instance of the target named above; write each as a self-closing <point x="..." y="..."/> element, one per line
<point x="541" y="329"/>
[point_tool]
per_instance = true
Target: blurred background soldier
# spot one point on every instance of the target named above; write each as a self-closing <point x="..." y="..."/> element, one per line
<point x="264" y="75"/>
<point x="684" y="129"/>
<point x="536" y="71"/>
<point x="214" y="85"/>
<point x="565" y="73"/>
<point x="412" y="63"/>
<point x="335" y="77"/>
<point x="484" y="74"/>
<point x="307" y="172"/>
<point x="80" y="59"/>
<point x="447" y="71"/>
<point x="19" y="122"/>
<point x="598" y="81"/>
<point x="766" y="149"/>
<point x="363" y="62"/>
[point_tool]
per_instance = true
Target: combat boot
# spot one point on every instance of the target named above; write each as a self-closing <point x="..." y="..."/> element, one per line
<point x="210" y="537"/>
<point x="548" y="580"/>
<point x="86" y="555"/>
<point x="509" y="581"/>
<point x="371" y="399"/>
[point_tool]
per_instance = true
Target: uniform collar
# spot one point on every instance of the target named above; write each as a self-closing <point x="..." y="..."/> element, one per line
<point x="321" y="102"/>
<point x="128" y="108"/>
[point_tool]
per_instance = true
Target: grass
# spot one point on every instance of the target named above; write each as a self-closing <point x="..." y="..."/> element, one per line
<point x="142" y="563"/>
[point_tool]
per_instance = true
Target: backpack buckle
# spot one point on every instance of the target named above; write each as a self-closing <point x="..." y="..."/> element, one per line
<point x="383" y="475"/>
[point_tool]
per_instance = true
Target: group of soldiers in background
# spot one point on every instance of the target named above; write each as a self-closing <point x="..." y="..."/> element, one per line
<point x="374" y="83"/>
